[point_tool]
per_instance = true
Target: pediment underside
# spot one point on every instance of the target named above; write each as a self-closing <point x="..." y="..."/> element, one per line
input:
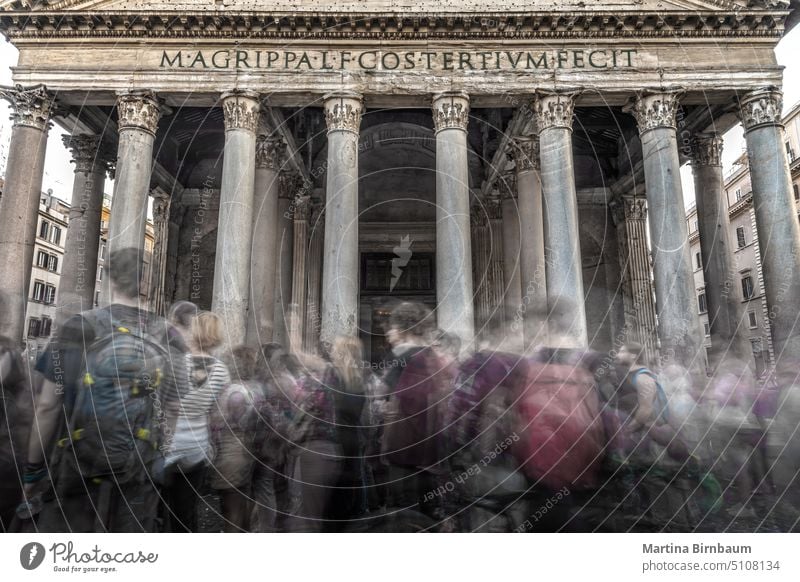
<point x="389" y="6"/>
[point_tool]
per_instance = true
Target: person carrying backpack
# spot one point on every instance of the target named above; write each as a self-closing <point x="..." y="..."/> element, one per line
<point x="15" y="423"/>
<point x="110" y="374"/>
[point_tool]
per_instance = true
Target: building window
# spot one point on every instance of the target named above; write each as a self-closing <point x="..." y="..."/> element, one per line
<point x="701" y="302"/>
<point x="751" y="315"/>
<point x="52" y="263"/>
<point x="100" y="273"/>
<point x="97" y="298"/>
<point x="33" y="327"/>
<point x="694" y="226"/>
<point x="706" y="328"/>
<point x="38" y="291"/>
<point x="44" y="228"/>
<point x="747" y="287"/>
<point x="789" y="151"/>
<point x="41" y="259"/>
<point x="740" y="238"/>
<point x="47" y="324"/>
<point x="55" y="238"/>
<point x="49" y="294"/>
<point x="698" y="261"/>
<point x="796" y="192"/>
<point x="738" y="194"/>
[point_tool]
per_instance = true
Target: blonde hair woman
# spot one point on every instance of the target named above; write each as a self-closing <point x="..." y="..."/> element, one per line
<point x="190" y="451"/>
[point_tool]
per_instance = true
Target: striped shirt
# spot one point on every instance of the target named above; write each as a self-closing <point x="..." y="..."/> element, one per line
<point x="207" y="378"/>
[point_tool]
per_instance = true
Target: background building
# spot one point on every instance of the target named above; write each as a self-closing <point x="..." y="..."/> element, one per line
<point x="51" y="233"/>
<point x="746" y="252"/>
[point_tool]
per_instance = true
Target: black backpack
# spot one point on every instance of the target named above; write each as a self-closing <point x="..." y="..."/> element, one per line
<point x="113" y="429"/>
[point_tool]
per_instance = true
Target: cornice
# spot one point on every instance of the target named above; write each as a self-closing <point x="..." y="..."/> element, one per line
<point x="332" y="26"/>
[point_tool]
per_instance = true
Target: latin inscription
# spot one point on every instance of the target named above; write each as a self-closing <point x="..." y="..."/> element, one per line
<point x="387" y="61"/>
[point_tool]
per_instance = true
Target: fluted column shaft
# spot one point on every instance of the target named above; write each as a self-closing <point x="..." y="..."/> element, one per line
<point x="161" y="209"/>
<point x="478" y="224"/>
<point x="234" y="236"/>
<point x="19" y="205"/>
<point x="289" y="185"/>
<point x="494" y="256"/>
<point x="532" y="262"/>
<point x="265" y="250"/>
<point x="630" y="215"/>
<point x="138" y="116"/>
<point x="512" y="298"/>
<point x="453" y="245"/>
<point x="776" y="218"/>
<point x="723" y="293"/>
<point x="340" y="281"/>
<point x="299" y="288"/>
<point x="679" y="326"/>
<point x="564" y="273"/>
<point x="316" y="247"/>
<point x="79" y="267"/>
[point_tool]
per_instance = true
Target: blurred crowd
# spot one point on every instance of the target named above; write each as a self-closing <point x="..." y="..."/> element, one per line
<point x="133" y="422"/>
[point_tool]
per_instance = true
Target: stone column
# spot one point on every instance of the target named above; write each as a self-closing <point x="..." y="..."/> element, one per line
<point x="289" y="186"/>
<point x="723" y="293"/>
<point x="340" y="283"/>
<point x="525" y="151"/>
<point x="79" y="268"/>
<point x="630" y="217"/>
<point x="298" y="311"/>
<point x="679" y="326"/>
<point x="565" y="297"/>
<point x="316" y="246"/>
<point x="264" y="255"/>
<point x="19" y="205"/>
<point x="158" y="271"/>
<point x="480" y="247"/>
<point x="495" y="284"/>
<point x="776" y="219"/>
<point x="234" y="236"/>
<point x="138" y="114"/>
<point x="512" y="298"/>
<point x="453" y="253"/>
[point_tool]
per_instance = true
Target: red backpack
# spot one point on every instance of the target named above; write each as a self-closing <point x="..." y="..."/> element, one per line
<point x="561" y="432"/>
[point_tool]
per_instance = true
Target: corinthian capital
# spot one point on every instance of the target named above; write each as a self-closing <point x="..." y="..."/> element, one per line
<point x="291" y="185"/>
<point x="508" y="185"/>
<point x="761" y="107"/>
<point x="343" y="112"/>
<point x="451" y="111"/>
<point x="242" y="110"/>
<point x="707" y="150"/>
<point x="654" y="110"/>
<point x="85" y="149"/>
<point x="30" y="107"/>
<point x="138" y="110"/>
<point x="554" y="110"/>
<point x="524" y="151"/>
<point x="269" y="152"/>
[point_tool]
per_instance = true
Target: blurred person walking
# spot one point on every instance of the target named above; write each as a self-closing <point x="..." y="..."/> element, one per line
<point x="272" y="470"/>
<point x="418" y="383"/>
<point x="189" y="451"/>
<point x="16" y="412"/>
<point x="233" y="425"/>
<point x="109" y="375"/>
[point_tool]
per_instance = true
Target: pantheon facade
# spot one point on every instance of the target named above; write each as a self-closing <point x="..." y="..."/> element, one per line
<point x="313" y="161"/>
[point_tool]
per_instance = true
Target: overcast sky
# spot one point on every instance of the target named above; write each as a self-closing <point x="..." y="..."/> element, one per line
<point x="58" y="170"/>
